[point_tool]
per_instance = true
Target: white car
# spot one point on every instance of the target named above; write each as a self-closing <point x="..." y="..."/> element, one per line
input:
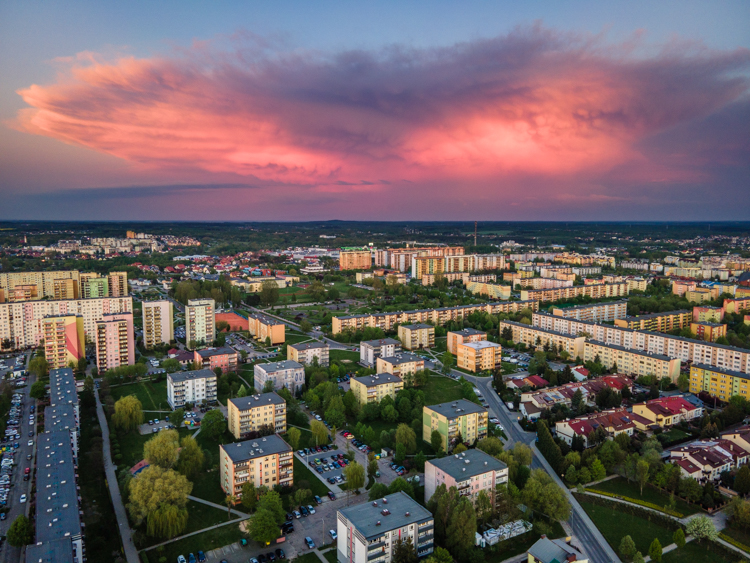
<point x="310" y="509"/>
<point x="30" y="443"/>
<point x="23" y="499"/>
<point x="333" y="533"/>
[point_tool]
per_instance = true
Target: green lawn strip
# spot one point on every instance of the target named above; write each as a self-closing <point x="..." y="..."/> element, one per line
<point x="200" y="516"/>
<point x="614" y="525"/>
<point x="698" y="552"/>
<point x="296" y="339"/>
<point x="441" y="390"/>
<point x="303" y="473"/>
<point x="673" y="435"/>
<point x="153" y="396"/>
<point x="623" y="487"/>
<point x="737" y="535"/>
<point x="331" y="556"/>
<point x="305" y="440"/>
<point x="344" y="355"/>
<point x="211" y="539"/>
<point x="307" y="558"/>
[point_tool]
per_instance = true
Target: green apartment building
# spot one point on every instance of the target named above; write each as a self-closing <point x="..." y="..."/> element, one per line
<point x="461" y="417"/>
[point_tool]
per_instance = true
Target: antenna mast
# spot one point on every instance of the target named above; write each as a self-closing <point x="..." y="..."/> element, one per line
<point x="475" y="233"/>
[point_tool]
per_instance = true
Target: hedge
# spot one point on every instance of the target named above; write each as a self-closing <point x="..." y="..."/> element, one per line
<point x="734" y="542"/>
<point x="639" y="502"/>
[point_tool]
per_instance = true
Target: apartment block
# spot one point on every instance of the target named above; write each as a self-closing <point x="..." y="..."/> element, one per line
<point x="200" y="322"/>
<point x="368" y="532"/>
<point x="450" y="277"/>
<point x="470" y="472"/>
<point x="115" y="343"/>
<point x="539" y="337"/>
<point x="596" y="291"/>
<point x="681" y="287"/>
<point x="700" y="295"/>
<point x="266" y="329"/>
<point x="371" y="350"/>
<point x="307" y="352"/>
<point x="63" y="418"/>
<point x="455" y="419"/>
<point x="737" y="305"/>
<point x="62" y="389"/>
<point x="632" y="362"/>
<point x="21" y="323"/>
<point x="251" y="414"/>
<point x="594" y="312"/>
<point x="401" y="364"/>
<point x="196" y="387"/>
<point x="586" y="271"/>
<point x="224" y="358"/>
<point x="708" y="331"/>
<point x="541" y="283"/>
<point x="118" y="284"/>
<point x="94" y="285"/>
<point x="416" y="336"/>
<point x="718" y="382"/>
<point x="287" y="374"/>
<point x="491" y="290"/>
<point x="657" y="322"/>
<point x="355" y="260"/>
<point x="158" y="323"/>
<point x="437" y="317"/>
<point x="424" y="265"/>
<point x="479" y="356"/>
<point x="23" y="293"/>
<point x="706" y="314"/>
<point x="464" y="336"/>
<point x="400" y="258"/>
<point x="513" y="276"/>
<point x="266" y="461"/>
<point x="668" y="411"/>
<point x="44" y="281"/>
<point x="64" y="340"/>
<point x="375" y="388"/>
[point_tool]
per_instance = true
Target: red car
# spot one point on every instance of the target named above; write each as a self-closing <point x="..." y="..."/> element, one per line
<point x="27" y="470"/>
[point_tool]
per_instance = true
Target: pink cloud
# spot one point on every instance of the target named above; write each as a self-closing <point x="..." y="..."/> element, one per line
<point x="533" y="103"/>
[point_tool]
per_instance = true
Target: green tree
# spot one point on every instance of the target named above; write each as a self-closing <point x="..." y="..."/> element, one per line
<point x="319" y="432"/>
<point x="177" y="417"/>
<point x="302" y="496"/>
<point x="655" y="550"/>
<point x="490" y="445"/>
<point x="483" y="506"/>
<point x="271" y="502"/>
<point x="638" y="558"/>
<point x="405" y="552"/>
<point x="269" y="293"/>
<point x="406" y="436"/>
<point x="440" y="555"/>
<point x="305" y="326"/>
<point x="542" y="493"/>
<point x="597" y="470"/>
<point x="701" y="527"/>
<point x="242" y="391"/>
<point x="128" y="413"/>
<point x="627" y="547"/>
<point x="213" y="424"/>
<point x="742" y="481"/>
<point x="679" y="538"/>
<point x="355" y="476"/>
<point x="436" y="440"/>
<point x="293" y="437"/>
<point x="249" y="498"/>
<point x="191" y="458"/>
<point x="154" y="488"/>
<point x="377" y="491"/>
<point x="683" y="382"/>
<point x="447" y="361"/>
<point x="462" y="530"/>
<point x="39" y="367"/>
<point x="641" y="473"/>
<point x="263" y="527"/>
<point x="38" y="390"/>
<point x="167" y="521"/>
<point x="230" y="501"/>
<point x="171" y="365"/>
<point x="20" y="532"/>
<point x="163" y="449"/>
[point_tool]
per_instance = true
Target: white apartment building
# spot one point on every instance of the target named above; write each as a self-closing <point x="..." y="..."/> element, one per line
<point x="158" y="323"/>
<point x="371" y="350"/>
<point x="200" y="321"/>
<point x="191" y="387"/>
<point x="470" y="472"/>
<point x="288" y="373"/>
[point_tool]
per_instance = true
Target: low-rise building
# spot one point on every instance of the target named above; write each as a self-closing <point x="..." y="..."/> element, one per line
<point x="264" y="413"/>
<point x="416" y="336"/>
<point x="369" y="531"/>
<point x="307" y="352"/>
<point x="546" y="550"/>
<point x="287" y="373"/>
<point x="613" y="421"/>
<point x="198" y="386"/>
<point x="706" y="460"/>
<point x="224" y="358"/>
<point x="455" y="419"/>
<point x="470" y="472"/>
<point x="371" y="350"/>
<point x="266" y="461"/>
<point x="463" y="336"/>
<point x="667" y="411"/>
<point x="374" y="388"/>
<point x="708" y="331"/>
<point x="403" y="364"/>
<point x="479" y="356"/>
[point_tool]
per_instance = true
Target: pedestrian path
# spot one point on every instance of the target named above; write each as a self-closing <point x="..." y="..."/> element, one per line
<point x="220" y="507"/>
<point x="667" y="549"/>
<point x="178" y="538"/>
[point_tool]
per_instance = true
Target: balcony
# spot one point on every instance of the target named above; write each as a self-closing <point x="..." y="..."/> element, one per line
<point x="377" y="555"/>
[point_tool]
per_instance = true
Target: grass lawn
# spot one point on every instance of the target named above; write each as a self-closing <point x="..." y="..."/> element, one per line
<point x="614" y="525"/>
<point x="441" y="390"/>
<point x="310" y="558"/>
<point x="131" y="446"/>
<point x="331" y="556"/>
<point x="305" y="440"/>
<point x="200" y="516"/>
<point x="344" y="355"/>
<point x="623" y="487"/>
<point x="206" y="485"/>
<point x="153" y="396"/>
<point x="738" y="535"/>
<point x="297" y="338"/>
<point x="695" y="552"/>
<point x="303" y="473"/>
<point x="206" y="541"/>
<point x="672" y="435"/>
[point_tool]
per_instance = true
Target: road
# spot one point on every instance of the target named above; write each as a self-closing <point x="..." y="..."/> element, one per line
<point x="594" y="544"/>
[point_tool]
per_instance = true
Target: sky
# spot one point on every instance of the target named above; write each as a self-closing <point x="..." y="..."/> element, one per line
<point x="424" y="110"/>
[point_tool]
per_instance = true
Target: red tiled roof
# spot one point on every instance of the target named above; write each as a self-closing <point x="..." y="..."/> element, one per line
<point x="687" y="466"/>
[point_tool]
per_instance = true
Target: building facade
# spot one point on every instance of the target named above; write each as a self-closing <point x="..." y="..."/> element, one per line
<point x="594" y="291"/>
<point x="539" y="337"/>
<point x="416" y="336"/>
<point x="200" y="322"/>
<point x="224" y="358"/>
<point x="194" y="387"/>
<point x="403" y="364"/>
<point x="306" y="353"/>
<point x="470" y="472"/>
<point x="288" y="374"/>
<point x="455" y="419"/>
<point x="479" y="356"/>
<point x="266" y="329"/>
<point x="115" y="343"/>
<point x="266" y="461"/>
<point x="371" y="350"/>
<point x="64" y="340"/>
<point x="464" y="336"/>
<point x="668" y="411"/>
<point x="374" y="388"/>
<point x="355" y="260"/>
<point x="594" y="312"/>
<point x="657" y="322"/>
<point x="158" y="323"/>
<point x="708" y="331"/>
<point x="718" y="382"/>
<point x="256" y="413"/>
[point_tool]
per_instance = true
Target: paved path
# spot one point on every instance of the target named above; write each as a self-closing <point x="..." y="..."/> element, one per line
<point x="235" y="521"/>
<point x="667" y="549"/>
<point x="219" y="506"/>
<point x="131" y="553"/>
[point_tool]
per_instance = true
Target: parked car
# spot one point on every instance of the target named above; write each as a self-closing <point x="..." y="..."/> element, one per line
<point x="310" y="543"/>
<point x="181" y="559"/>
<point x="280" y="553"/>
<point x="333" y="534"/>
<point x="331" y="495"/>
<point x="201" y="556"/>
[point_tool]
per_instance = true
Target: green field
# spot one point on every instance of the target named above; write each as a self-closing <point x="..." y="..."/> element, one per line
<point x="672" y="435"/>
<point x="206" y="484"/>
<point x="341" y="355"/>
<point x="695" y="552"/>
<point x="131" y="446"/>
<point x="206" y="541"/>
<point x="614" y="525"/>
<point x="297" y="338"/>
<point x="309" y="558"/>
<point x="441" y="390"/>
<point x="153" y="396"/>
<point x="623" y="487"/>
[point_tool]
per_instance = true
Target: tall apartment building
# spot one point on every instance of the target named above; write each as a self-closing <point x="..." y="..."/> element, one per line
<point x="374" y="388"/>
<point x="657" y="322"/>
<point x="470" y="472"/>
<point x="65" y="289"/>
<point x="368" y="532"/>
<point x="541" y="283"/>
<point x="596" y="291"/>
<point x="371" y="350"/>
<point x="64" y="340"/>
<point x="194" y="387"/>
<point x="21" y="323"/>
<point x="403" y="364"/>
<point x="355" y="260"/>
<point x="491" y="290"/>
<point x="115" y="344"/>
<point x="594" y="312"/>
<point x="23" y="293"/>
<point x="118" y="283"/>
<point x="479" y="356"/>
<point x="45" y="281"/>
<point x="458" y="418"/>
<point x="307" y="352"/>
<point x="224" y="358"/>
<point x="463" y="336"/>
<point x="251" y="414"/>
<point x="718" y="382"/>
<point x="200" y="321"/>
<point x="266" y="461"/>
<point x="630" y="361"/>
<point x="158" y="323"/>
<point x="262" y="327"/>
<point x="706" y="314"/>
<point x="416" y="336"/>
<point x="708" y="331"/>
<point x="400" y="258"/>
<point x="287" y="374"/>
<point x="93" y="286"/>
<point x="539" y="337"/>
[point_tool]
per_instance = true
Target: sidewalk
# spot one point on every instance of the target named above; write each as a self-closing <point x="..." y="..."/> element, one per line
<point x="220" y="507"/>
<point x="131" y="553"/>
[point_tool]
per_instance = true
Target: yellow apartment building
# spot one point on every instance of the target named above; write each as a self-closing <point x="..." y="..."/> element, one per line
<point x="463" y="336"/>
<point x="372" y="388"/>
<point x="491" y="290"/>
<point x="479" y="356"/>
<point x="262" y="327"/>
<point x="306" y="353"/>
<point x="266" y="461"/>
<point x="251" y="414"/>
<point x="355" y="260"/>
<point x="423" y="265"/>
<point x="416" y="336"/>
<point x="401" y="364"/>
<point x="595" y="291"/>
<point x="737" y="305"/>
<point x="657" y="322"/>
<point x="458" y="418"/>
<point x="513" y="276"/>
<point x="64" y="340"/>
<point x="536" y="336"/>
<point x="699" y="295"/>
<point x="718" y="382"/>
<point x="708" y="331"/>
<point x="65" y="288"/>
<point x="706" y="314"/>
<point x="631" y="361"/>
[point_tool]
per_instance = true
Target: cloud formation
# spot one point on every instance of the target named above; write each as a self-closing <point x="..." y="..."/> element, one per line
<point x="576" y="115"/>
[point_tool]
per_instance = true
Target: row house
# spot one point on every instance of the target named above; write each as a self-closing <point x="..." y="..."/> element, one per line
<point x="668" y="411"/>
<point x="613" y="421"/>
<point x="706" y="460"/>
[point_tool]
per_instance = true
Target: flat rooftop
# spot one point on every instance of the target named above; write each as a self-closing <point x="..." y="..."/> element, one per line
<point x="481" y="345"/>
<point x="370" y="521"/>
<point x="379" y="343"/>
<point x="56" y="495"/>
<point x="56" y="551"/>
<point x="252" y="401"/>
<point x="279" y="366"/>
<point x="260" y="447"/>
<point x="180" y="376"/>
<point x="403" y="358"/>
<point x="61" y="417"/>
<point x="417" y="326"/>
<point x="208" y="352"/>
<point x="454" y="409"/>
<point x="468" y="332"/>
<point x="467" y="464"/>
<point x="377" y="379"/>
<point x="308" y="346"/>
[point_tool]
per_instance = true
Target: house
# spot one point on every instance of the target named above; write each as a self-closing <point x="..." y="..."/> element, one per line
<point x="709" y="456"/>
<point x="613" y="421"/>
<point x="667" y="411"/>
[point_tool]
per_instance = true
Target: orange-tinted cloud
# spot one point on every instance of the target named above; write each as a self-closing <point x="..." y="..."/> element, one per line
<point x="533" y="103"/>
